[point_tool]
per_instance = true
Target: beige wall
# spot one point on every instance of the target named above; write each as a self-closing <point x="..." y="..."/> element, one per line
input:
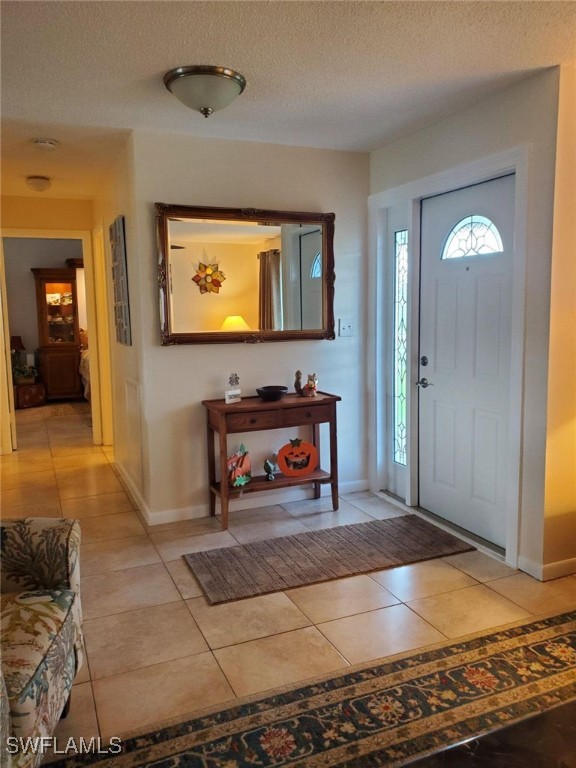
<point x="46" y="213"/>
<point x="560" y="500"/>
<point x="173" y="380"/>
<point x="115" y="199"/>
<point x="524" y="115"/>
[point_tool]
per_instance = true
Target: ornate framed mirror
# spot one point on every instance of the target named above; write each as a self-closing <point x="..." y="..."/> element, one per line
<point x="244" y="275"/>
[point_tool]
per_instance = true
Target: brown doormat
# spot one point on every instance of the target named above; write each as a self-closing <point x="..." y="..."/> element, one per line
<point x="308" y="558"/>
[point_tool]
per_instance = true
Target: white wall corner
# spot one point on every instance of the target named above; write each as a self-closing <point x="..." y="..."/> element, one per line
<point x="531" y="568"/>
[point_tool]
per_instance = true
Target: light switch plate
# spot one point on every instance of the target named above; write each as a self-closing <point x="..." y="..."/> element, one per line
<point x="345" y="327"/>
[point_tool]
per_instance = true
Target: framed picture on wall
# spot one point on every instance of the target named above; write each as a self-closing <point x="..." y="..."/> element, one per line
<point x="120" y="282"/>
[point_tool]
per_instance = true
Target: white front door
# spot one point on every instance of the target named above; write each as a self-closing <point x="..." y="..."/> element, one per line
<point x="467" y="241"/>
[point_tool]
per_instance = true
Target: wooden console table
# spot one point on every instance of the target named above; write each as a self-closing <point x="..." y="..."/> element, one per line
<point x="252" y="414"/>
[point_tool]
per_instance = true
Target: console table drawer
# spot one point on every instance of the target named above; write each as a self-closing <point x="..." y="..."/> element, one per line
<point x="252" y="420"/>
<point x="310" y="414"/>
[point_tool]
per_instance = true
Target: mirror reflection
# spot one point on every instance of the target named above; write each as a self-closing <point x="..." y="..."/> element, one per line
<point x="244" y="275"/>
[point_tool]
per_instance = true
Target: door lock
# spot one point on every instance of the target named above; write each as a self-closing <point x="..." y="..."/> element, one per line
<point x="423" y="383"/>
<point x="423" y="360"/>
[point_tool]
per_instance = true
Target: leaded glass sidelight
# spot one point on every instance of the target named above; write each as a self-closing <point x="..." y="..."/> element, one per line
<point x="473" y="235"/>
<point x="400" y="343"/>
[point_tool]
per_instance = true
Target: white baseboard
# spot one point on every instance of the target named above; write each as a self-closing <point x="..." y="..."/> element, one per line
<point x="177" y="515"/>
<point x="548" y="571"/>
<point x="133" y="493"/>
<point x="558" y="569"/>
<point x="353" y="486"/>
<point x="249" y="501"/>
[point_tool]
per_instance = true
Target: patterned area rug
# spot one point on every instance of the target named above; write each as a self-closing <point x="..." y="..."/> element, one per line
<point x="273" y="565"/>
<point x="387" y="714"/>
<point x="58" y="410"/>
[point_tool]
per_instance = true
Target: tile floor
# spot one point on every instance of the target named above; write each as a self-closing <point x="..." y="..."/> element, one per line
<point x="156" y="650"/>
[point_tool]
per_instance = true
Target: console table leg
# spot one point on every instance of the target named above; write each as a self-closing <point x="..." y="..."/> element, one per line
<point x="334" y="461"/>
<point x="316" y="443"/>
<point x="224" y="511"/>
<point x="211" y="467"/>
<point x="334" y="496"/>
<point x="223" y="440"/>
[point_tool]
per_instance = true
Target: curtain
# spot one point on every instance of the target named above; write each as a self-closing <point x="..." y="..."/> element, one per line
<point x="270" y="294"/>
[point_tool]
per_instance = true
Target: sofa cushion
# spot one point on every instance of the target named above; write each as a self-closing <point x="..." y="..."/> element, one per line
<point x="39" y="553"/>
<point x="38" y="660"/>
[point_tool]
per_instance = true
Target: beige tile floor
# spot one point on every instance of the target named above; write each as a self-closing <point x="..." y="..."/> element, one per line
<point x="156" y="650"/>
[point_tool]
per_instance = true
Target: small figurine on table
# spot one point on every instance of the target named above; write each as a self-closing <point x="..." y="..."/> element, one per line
<point x="233" y="395"/>
<point x="270" y="467"/>
<point x="310" y="389"/>
<point x="298" y="383"/>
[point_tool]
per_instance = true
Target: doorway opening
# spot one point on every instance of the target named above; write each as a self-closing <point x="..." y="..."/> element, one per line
<point x="74" y="310"/>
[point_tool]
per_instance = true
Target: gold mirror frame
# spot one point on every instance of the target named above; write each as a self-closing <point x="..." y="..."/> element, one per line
<point x="166" y="212"/>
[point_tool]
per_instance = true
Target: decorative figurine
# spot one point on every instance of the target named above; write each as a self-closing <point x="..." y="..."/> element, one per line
<point x="298" y="457"/>
<point x="298" y="383"/>
<point x="311" y="388"/>
<point x="270" y="467"/>
<point x="308" y="390"/>
<point x="233" y="395"/>
<point x="209" y="278"/>
<point x="239" y="467"/>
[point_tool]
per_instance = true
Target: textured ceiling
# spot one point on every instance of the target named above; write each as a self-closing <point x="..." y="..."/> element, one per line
<point x="332" y="74"/>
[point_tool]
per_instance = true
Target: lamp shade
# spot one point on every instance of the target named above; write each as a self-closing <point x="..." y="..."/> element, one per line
<point x="16" y="344"/>
<point x="235" y="323"/>
<point x="204" y="88"/>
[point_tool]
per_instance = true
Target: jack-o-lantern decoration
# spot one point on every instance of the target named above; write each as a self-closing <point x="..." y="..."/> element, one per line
<point x="297" y="458"/>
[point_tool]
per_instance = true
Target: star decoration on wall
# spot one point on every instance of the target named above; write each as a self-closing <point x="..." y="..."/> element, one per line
<point x="209" y="278"/>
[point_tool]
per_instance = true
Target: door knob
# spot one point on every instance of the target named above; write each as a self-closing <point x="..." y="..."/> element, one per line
<point x="423" y="383"/>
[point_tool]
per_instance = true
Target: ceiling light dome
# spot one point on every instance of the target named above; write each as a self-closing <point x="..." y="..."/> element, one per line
<point x="48" y="145"/>
<point x="38" y="183"/>
<point x="205" y="88"/>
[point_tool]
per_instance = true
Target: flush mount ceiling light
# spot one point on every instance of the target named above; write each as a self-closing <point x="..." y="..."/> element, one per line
<point x="38" y="183"/>
<point x="45" y="144"/>
<point x="205" y="88"/>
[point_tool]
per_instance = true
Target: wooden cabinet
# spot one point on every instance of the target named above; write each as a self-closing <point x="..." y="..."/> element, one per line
<point x="251" y="414"/>
<point x="58" y="332"/>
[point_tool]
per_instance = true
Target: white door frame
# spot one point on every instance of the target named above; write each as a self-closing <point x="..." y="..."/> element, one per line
<point x="379" y="339"/>
<point x="85" y="236"/>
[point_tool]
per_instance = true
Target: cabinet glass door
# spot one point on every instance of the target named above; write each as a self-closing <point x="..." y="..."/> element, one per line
<point x="60" y="313"/>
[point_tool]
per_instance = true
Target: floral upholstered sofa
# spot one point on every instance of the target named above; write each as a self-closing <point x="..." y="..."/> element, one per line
<point x="41" y="642"/>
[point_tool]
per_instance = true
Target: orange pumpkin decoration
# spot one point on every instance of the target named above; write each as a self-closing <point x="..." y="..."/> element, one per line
<point x="297" y="458"/>
<point x="239" y="467"/>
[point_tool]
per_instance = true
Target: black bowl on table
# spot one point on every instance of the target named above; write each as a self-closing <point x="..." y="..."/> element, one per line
<point x="272" y="392"/>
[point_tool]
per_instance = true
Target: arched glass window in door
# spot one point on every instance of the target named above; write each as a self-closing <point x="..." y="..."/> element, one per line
<point x="473" y="235"/>
<point x="316" y="269"/>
